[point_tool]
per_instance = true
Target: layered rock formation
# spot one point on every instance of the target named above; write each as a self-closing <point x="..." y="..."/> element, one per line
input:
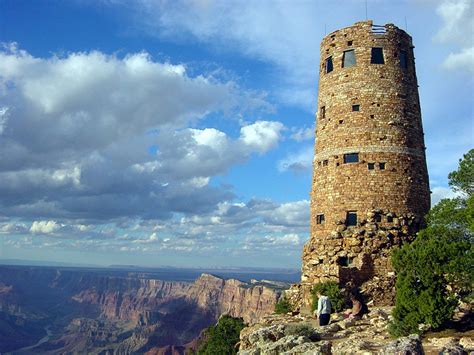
<point x="99" y="311"/>
<point x="140" y="300"/>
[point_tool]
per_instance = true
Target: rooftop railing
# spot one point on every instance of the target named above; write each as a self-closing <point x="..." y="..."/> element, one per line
<point x="378" y="29"/>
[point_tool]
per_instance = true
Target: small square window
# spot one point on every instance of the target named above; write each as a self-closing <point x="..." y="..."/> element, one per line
<point x="371" y="166"/>
<point x="349" y="43"/>
<point x="389" y="219"/>
<point x="377" y="56"/>
<point x="351" y="158"/>
<point x="351" y="218"/>
<point x="329" y="66"/>
<point x="355" y="107"/>
<point x="325" y="162"/>
<point x="322" y="112"/>
<point x="403" y="60"/>
<point x="372" y="116"/>
<point x="378" y="217"/>
<point x="382" y="166"/>
<point x="348" y="59"/>
<point x="320" y="218"/>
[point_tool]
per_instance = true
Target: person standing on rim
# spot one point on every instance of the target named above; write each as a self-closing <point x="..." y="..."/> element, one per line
<point x="324" y="309"/>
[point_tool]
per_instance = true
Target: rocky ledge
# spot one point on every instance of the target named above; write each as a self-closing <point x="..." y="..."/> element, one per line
<point x="289" y="334"/>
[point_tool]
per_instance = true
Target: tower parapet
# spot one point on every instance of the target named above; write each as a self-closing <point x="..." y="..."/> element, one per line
<point x="370" y="187"/>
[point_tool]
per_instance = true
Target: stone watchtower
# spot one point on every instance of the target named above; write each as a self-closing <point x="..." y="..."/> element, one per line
<point x="370" y="187"/>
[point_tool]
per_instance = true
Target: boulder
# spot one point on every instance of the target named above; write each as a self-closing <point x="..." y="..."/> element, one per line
<point x="453" y="349"/>
<point x="351" y="346"/>
<point x="319" y="348"/>
<point x="410" y="345"/>
<point x="268" y="334"/>
<point x="467" y="343"/>
<point x="346" y="323"/>
<point x="283" y="344"/>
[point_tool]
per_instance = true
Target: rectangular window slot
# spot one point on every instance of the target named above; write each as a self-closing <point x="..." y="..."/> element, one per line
<point x="348" y="59"/>
<point x="322" y="112"/>
<point x="344" y="261"/>
<point x="329" y="66"/>
<point x="351" y="218"/>
<point x="382" y="166"/>
<point x="320" y="218"/>
<point x="372" y="116"/>
<point x="351" y="158"/>
<point x="389" y="219"/>
<point x="325" y="162"/>
<point x="341" y="121"/>
<point x="355" y="107"/>
<point x="378" y="217"/>
<point x="377" y="56"/>
<point x="403" y="60"/>
<point x="371" y="166"/>
<point x="349" y="43"/>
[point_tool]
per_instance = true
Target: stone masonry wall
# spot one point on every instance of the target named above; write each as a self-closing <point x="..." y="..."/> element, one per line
<point x="371" y="113"/>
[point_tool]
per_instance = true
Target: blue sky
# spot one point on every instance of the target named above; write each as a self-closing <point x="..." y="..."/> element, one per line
<point x="181" y="132"/>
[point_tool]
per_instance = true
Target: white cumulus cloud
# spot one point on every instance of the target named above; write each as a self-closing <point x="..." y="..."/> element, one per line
<point x="262" y="135"/>
<point x="44" y="227"/>
<point x="458" y="30"/>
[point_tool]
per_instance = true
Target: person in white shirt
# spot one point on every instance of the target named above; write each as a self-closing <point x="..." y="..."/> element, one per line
<point x="324" y="309"/>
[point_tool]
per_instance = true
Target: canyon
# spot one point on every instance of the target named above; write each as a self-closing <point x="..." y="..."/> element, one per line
<point x="57" y="310"/>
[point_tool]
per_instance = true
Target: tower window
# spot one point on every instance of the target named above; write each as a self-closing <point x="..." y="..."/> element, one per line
<point x="329" y="66"/>
<point x="351" y="218"/>
<point x="382" y="166"/>
<point x="344" y="261"/>
<point x="351" y="158"/>
<point x="322" y="112"/>
<point x="349" y="43"/>
<point x="348" y="59"/>
<point x="320" y="218"/>
<point x="378" y="217"/>
<point x="325" y="162"/>
<point x="403" y="60"/>
<point x="377" y="56"/>
<point x="371" y="166"/>
<point x="389" y="219"/>
<point x="355" y="107"/>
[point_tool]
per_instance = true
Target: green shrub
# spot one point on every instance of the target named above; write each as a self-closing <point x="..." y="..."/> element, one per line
<point x="283" y="306"/>
<point x="435" y="270"/>
<point x="421" y="292"/>
<point x="222" y="337"/>
<point x="330" y="289"/>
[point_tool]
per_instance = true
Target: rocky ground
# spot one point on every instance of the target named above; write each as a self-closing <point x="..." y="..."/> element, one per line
<point x="300" y="334"/>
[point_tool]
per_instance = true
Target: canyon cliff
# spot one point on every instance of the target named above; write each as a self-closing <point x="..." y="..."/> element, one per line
<point x="97" y="311"/>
